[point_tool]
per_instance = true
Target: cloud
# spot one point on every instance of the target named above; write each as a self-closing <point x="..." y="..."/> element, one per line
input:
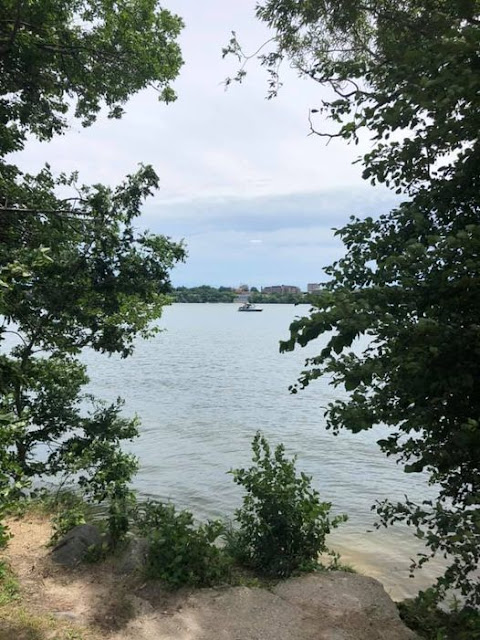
<point x="211" y="142"/>
<point x="329" y="208"/>
<point x="254" y="196"/>
<point x="263" y="241"/>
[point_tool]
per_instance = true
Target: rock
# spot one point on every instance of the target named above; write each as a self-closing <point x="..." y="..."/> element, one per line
<point x="134" y="558"/>
<point x="74" y="546"/>
<point x="323" y="606"/>
<point x="350" y="606"/>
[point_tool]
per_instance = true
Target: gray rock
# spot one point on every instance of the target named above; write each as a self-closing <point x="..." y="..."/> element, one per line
<point x="354" y="607"/>
<point x="324" y="606"/>
<point x="134" y="558"/>
<point x="74" y="546"/>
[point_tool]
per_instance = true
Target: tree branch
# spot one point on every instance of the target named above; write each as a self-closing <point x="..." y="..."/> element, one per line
<point x="313" y="131"/>
<point x="16" y="26"/>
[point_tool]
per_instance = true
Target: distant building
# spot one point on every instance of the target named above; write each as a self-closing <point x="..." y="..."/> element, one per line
<point x="281" y="288"/>
<point x="313" y="286"/>
<point x="276" y="289"/>
<point x="243" y="287"/>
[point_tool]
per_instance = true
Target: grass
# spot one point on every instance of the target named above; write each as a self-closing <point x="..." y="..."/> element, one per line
<point x="17" y="622"/>
<point x="332" y="561"/>
<point x="9" y="586"/>
<point x="45" y="502"/>
<point x="65" y="508"/>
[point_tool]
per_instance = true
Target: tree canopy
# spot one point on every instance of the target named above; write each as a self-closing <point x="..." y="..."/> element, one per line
<point x="75" y="272"/>
<point x="406" y="73"/>
<point x="82" y="54"/>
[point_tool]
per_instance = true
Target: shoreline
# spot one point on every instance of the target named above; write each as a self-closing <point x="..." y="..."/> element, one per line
<point x="384" y="563"/>
<point x="94" y="602"/>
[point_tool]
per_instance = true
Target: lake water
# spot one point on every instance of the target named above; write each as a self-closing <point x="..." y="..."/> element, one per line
<point x="207" y="383"/>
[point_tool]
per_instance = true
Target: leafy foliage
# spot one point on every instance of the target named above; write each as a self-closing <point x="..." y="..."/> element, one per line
<point x="283" y="523"/>
<point x="407" y="73"/>
<point x="432" y="623"/>
<point x="102" y="286"/>
<point x="8" y="492"/>
<point x="89" y="53"/>
<point x="10" y="425"/>
<point x="67" y="518"/>
<point x="74" y="271"/>
<point x="180" y="552"/>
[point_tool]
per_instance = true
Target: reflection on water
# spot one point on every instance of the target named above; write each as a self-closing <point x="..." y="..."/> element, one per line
<point x="205" y="385"/>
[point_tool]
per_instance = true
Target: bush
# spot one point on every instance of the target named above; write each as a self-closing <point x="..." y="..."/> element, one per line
<point x="181" y="553"/>
<point x="69" y="509"/>
<point x="283" y="523"/>
<point x="432" y="623"/>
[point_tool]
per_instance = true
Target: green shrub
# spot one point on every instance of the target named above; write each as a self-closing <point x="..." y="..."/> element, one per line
<point x="283" y="523"/>
<point x="181" y="553"/>
<point x="69" y="509"/>
<point x="64" y="521"/>
<point x="73" y="509"/>
<point x="4" y="534"/>
<point x="121" y="508"/>
<point x="432" y="623"/>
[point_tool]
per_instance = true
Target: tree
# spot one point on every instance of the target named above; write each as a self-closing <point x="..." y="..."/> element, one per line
<point x="204" y="293"/>
<point x="101" y="287"/>
<point x="74" y="272"/>
<point x="408" y="73"/>
<point x="55" y="53"/>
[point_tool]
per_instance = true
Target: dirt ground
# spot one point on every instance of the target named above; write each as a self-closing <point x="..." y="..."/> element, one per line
<point x="94" y="603"/>
<point x="92" y="596"/>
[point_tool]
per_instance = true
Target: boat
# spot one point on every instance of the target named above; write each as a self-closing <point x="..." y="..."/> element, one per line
<point x="248" y="306"/>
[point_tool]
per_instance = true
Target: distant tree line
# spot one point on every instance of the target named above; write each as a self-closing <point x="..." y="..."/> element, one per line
<point x="205" y="293"/>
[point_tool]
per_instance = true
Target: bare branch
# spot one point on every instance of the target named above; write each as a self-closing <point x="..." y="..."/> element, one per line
<point x="320" y="134"/>
<point x="15" y="333"/>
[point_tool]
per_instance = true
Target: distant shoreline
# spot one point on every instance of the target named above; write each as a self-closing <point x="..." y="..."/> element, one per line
<point x="233" y="302"/>
<point x="206" y="293"/>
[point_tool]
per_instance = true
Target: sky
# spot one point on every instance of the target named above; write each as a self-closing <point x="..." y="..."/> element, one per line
<point x="252" y="194"/>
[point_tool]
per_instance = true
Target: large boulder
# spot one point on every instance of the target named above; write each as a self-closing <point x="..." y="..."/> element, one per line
<point x="348" y="606"/>
<point x="322" y="606"/>
<point x="76" y="544"/>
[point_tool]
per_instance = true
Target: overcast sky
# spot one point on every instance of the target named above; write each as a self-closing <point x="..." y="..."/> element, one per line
<point x="254" y="197"/>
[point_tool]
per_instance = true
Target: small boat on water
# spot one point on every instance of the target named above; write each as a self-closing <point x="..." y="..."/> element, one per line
<point x="248" y="306"/>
